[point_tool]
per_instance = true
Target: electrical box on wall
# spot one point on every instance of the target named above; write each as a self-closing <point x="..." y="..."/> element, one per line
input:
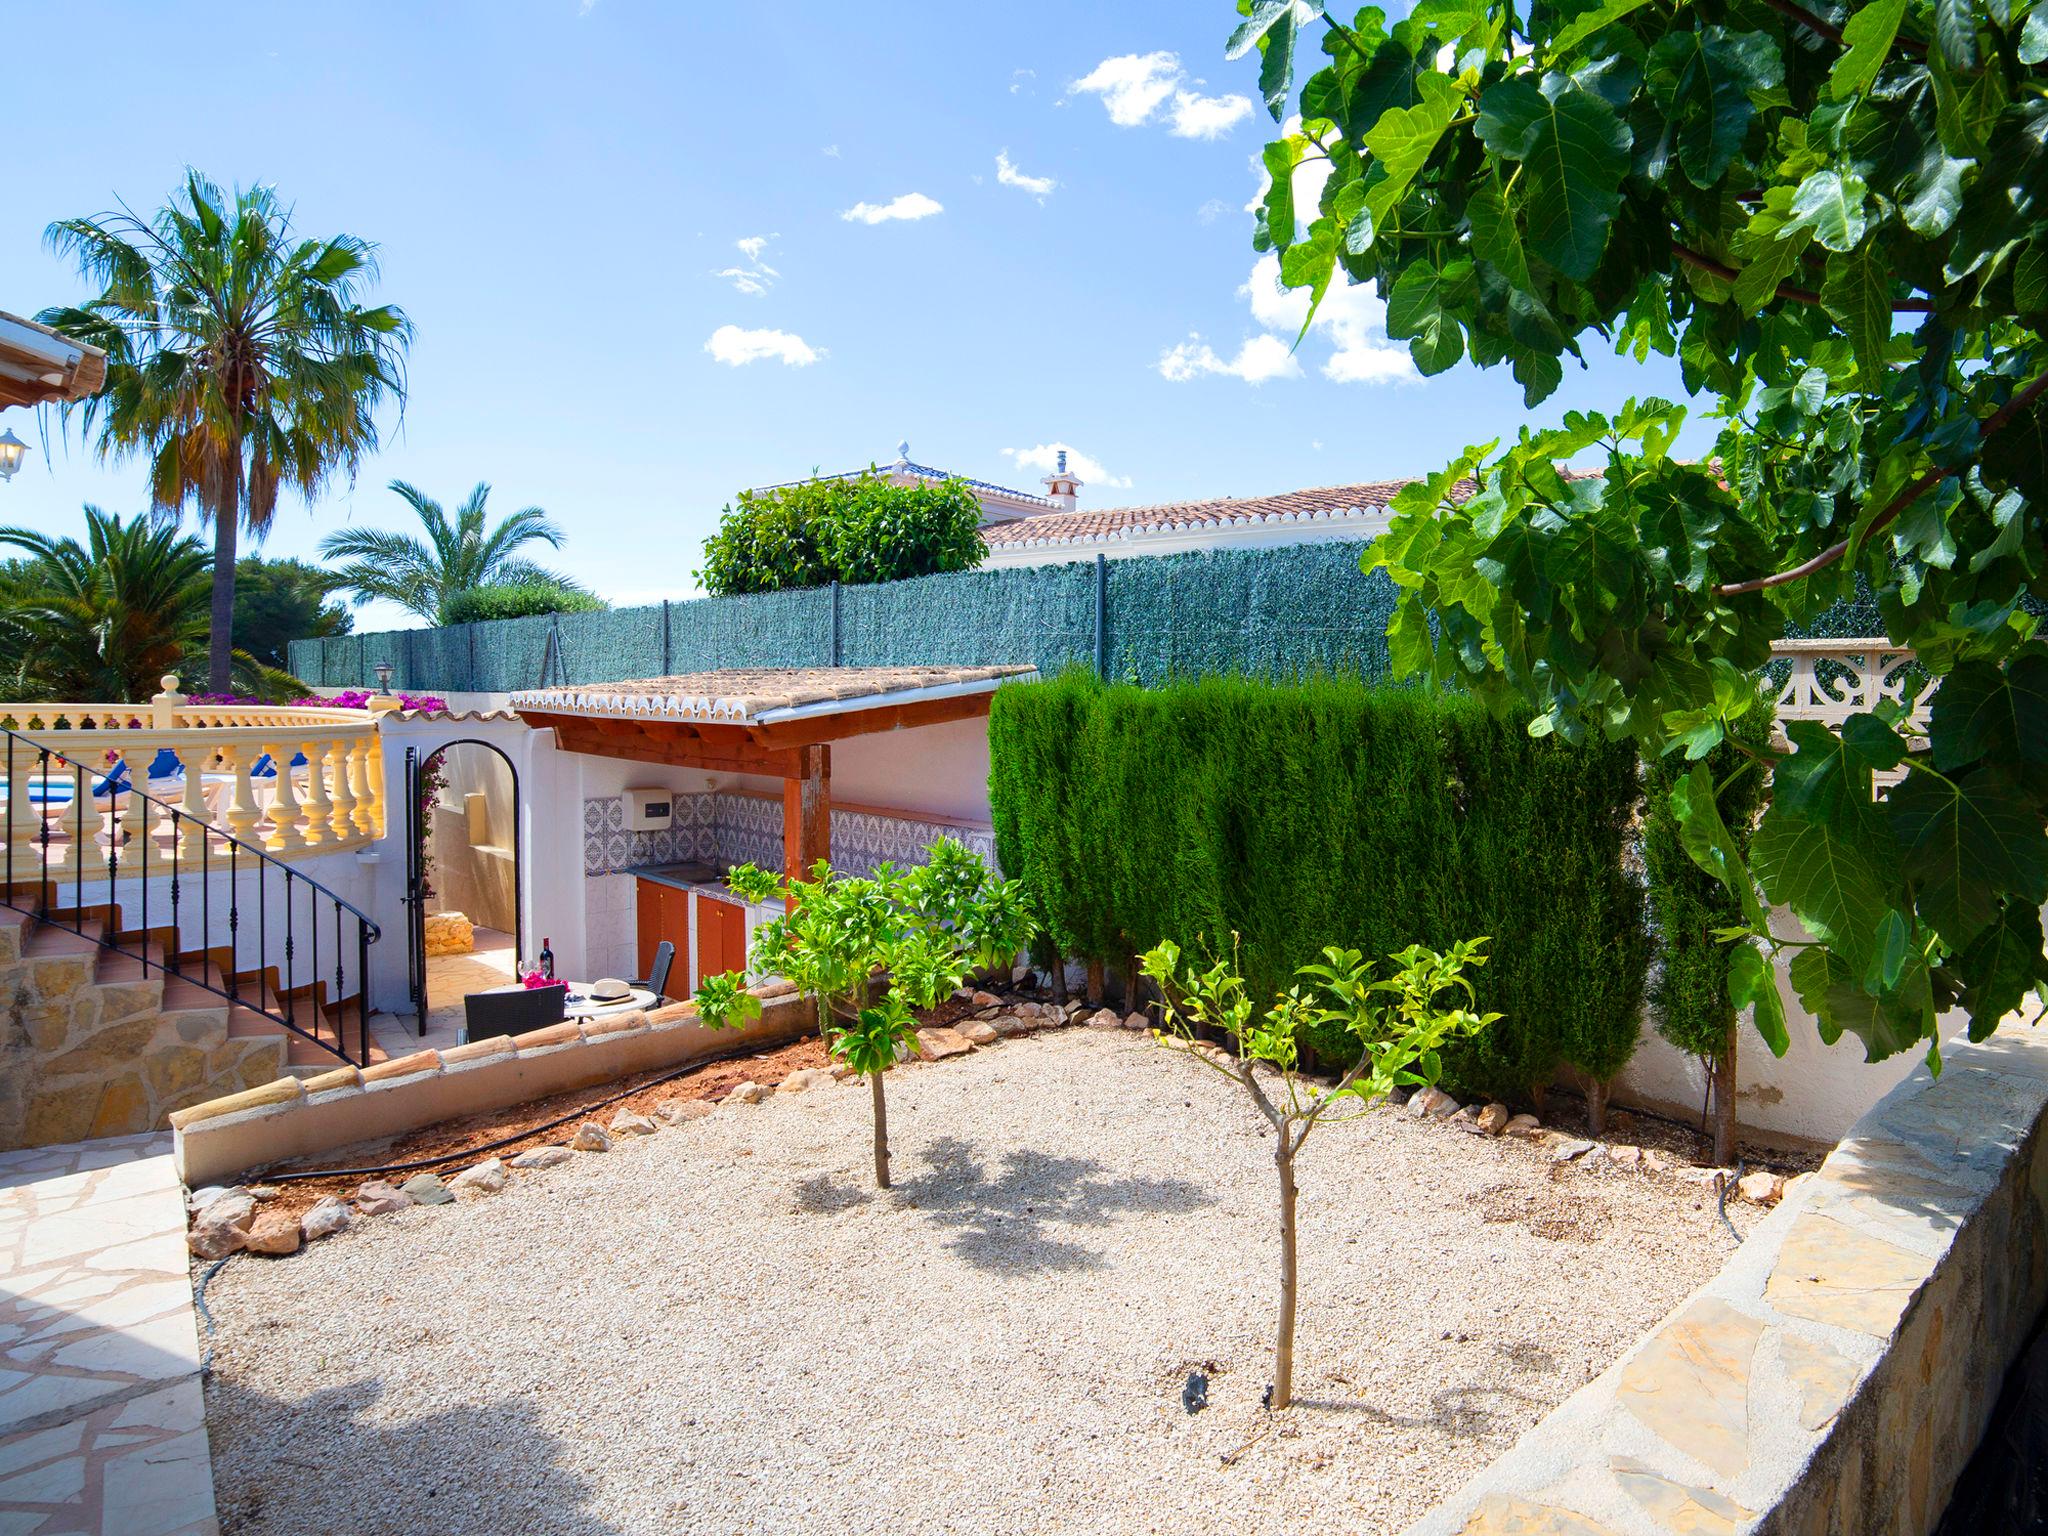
<point x="650" y="810"/>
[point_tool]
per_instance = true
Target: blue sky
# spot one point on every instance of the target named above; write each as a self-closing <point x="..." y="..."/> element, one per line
<point x="560" y="190"/>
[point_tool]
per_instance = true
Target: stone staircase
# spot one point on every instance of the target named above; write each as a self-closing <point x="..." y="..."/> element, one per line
<point x="97" y="1040"/>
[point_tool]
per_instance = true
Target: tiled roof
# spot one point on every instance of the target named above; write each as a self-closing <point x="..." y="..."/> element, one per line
<point x="1091" y="524"/>
<point x="922" y="472"/>
<point x="750" y="695"/>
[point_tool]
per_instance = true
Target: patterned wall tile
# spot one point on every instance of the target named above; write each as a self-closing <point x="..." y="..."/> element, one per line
<point x="723" y="829"/>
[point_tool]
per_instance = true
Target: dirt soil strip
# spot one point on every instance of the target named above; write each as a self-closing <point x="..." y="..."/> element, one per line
<point x="457" y="1143"/>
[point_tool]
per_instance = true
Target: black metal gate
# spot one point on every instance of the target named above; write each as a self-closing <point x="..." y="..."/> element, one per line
<point x="415" y="895"/>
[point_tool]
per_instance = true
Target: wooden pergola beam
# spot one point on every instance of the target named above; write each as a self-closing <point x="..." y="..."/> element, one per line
<point x="807" y="812"/>
<point x="669" y="742"/>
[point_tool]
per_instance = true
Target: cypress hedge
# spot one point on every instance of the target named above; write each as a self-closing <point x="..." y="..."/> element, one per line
<point x="1331" y="811"/>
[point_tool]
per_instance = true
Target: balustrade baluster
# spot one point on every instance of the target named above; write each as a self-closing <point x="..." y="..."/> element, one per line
<point x="82" y="823"/>
<point x="369" y="820"/>
<point x="344" y="794"/>
<point x="24" y="813"/>
<point x="191" y="828"/>
<point x="243" y="812"/>
<point x="373" y="779"/>
<point x="319" y="805"/>
<point x="285" y="836"/>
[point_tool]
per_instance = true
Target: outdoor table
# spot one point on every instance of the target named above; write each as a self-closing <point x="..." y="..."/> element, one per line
<point x="580" y="1005"/>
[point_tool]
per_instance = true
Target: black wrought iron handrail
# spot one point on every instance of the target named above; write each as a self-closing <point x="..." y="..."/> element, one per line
<point x="282" y="1008"/>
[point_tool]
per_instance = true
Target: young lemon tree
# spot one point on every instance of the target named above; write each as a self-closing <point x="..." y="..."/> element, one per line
<point x="872" y="951"/>
<point x="1400" y="1023"/>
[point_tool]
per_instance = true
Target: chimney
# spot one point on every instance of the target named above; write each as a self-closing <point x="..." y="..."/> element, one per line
<point x="1061" y="487"/>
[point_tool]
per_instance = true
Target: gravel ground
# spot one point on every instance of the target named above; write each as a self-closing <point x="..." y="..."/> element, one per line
<point x="723" y="1328"/>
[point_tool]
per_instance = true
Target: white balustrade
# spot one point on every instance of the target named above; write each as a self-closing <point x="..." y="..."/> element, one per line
<point x="339" y="803"/>
<point x="1830" y="680"/>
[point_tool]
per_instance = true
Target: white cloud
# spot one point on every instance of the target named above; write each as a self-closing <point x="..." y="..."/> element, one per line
<point x="1132" y="85"/>
<point x="1212" y="210"/>
<point x="1196" y="116"/>
<point x="1020" y="79"/>
<point x="1351" y="316"/>
<point x="1259" y="359"/>
<point x="830" y="149"/>
<point x="756" y="277"/>
<point x="911" y="205"/>
<point x="1045" y="458"/>
<point x="1008" y="174"/>
<point x="1351" y="319"/>
<point x="736" y="348"/>
<point x="1309" y="179"/>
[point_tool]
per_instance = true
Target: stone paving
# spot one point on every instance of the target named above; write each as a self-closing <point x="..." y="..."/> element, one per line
<point x="450" y="978"/>
<point x="1837" y="1374"/>
<point x="102" y="1418"/>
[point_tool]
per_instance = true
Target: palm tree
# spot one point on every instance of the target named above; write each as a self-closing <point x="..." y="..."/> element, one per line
<point x="102" y="621"/>
<point x="456" y="556"/>
<point x="239" y="358"/>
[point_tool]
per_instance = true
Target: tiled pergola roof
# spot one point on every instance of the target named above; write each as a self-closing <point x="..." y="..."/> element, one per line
<point x="764" y="695"/>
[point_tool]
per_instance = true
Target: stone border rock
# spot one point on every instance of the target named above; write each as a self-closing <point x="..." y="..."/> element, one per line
<point x="1837" y="1374"/>
<point x="288" y="1118"/>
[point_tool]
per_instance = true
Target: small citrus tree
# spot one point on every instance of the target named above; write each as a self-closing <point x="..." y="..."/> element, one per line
<point x="1400" y="1025"/>
<point x="911" y="931"/>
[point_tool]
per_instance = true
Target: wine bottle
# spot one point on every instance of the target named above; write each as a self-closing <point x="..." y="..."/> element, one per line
<point x="547" y="960"/>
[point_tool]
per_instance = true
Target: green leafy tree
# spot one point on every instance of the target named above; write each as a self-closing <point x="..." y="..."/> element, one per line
<point x="1690" y="999"/>
<point x="279" y="601"/>
<point x="1397" y="1026"/>
<point x="458" y="554"/>
<point x="861" y="528"/>
<point x="241" y="360"/>
<point x="1835" y="220"/>
<point x="869" y="951"/>
<point x="991" y="919"/>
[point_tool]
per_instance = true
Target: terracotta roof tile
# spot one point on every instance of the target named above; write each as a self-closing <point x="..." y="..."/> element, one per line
<point x="1089" y="524"/>
<point x="740" y="695"/>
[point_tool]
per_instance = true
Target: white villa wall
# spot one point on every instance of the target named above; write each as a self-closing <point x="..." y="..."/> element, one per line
<point x="1814" y="1092"/>
<point x="935" y="770"/>
<point x="1269" y="533"/>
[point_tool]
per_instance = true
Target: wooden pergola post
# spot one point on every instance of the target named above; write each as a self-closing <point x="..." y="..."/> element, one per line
<point x="807" y="811"/>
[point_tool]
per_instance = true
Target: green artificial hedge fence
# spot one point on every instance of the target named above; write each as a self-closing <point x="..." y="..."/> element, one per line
<point x="1333" y="811"/>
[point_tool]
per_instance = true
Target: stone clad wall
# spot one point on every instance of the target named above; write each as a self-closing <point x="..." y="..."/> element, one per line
<point x="1835" y="1377"/>
<point x="82" y="1058"/>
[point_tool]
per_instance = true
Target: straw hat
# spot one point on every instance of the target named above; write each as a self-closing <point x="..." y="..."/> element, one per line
<point x="610" y="990"/>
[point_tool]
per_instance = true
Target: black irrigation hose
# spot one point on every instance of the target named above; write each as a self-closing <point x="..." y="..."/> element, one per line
<point x="533" y="1130"/>
<point x="199" y="1301"/>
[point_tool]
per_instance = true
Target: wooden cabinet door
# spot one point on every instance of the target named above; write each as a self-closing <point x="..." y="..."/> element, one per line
<point x="735" y="946"/>
<point x="652" y="923"/>
<point x="710" y="938"/>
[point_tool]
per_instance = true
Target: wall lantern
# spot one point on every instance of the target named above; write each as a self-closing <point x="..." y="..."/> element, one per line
<point x="383" y="671"/>
<point x="11" y="450"/>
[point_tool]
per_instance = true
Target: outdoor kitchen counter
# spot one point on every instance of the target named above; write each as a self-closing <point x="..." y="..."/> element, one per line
<point x="702" y="879"/>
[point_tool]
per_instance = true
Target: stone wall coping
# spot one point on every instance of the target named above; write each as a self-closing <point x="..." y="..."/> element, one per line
<point x="1838" y="1372"/>
<point x="615" y="1024"/>
<point x="330" y="1082"/>
<point x="225" y="1137"/>
<point x="478" y="1050"/>
<point x="402" y="1066"/>
<point x="285" y="1090"/>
